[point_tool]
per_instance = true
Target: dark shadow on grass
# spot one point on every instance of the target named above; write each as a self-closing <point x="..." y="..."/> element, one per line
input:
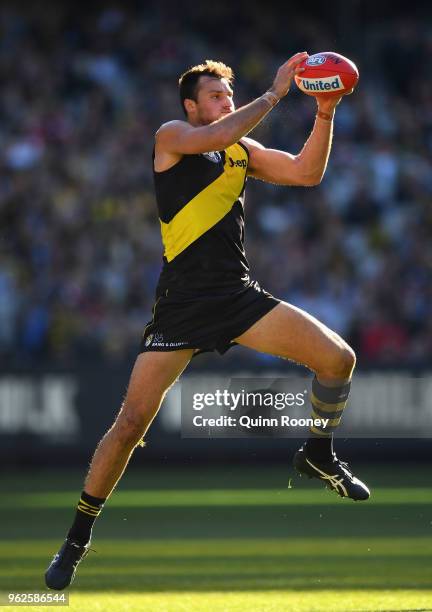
<point x="295" y="564"/>
<point x="214" y="522"/>
<point x="203" y="574"/>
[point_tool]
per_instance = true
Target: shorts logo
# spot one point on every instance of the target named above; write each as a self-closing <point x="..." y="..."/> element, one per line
<point x="213" y="156"/>
<point x="316" y="60"/>
<point x="156" y="340"/>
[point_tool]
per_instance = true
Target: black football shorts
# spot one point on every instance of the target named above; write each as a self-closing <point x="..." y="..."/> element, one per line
<point x="184" y="320"/>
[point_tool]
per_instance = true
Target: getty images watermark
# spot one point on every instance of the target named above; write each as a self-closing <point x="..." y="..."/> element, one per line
<point x="244" y="400"/>
<point x="221" y="408"/>
<point x="381" y="405"/>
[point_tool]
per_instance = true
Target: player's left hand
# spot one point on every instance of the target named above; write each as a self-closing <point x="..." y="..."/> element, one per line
<point x="327" y="104"/>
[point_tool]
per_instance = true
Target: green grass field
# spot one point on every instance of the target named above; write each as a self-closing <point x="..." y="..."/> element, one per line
<point x="228" y="539"/>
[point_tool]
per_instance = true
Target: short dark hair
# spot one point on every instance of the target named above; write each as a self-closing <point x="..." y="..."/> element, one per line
<point x="189" y="80"/>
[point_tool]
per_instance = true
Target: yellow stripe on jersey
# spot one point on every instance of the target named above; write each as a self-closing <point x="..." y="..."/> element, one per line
<point x="208" y="207"/>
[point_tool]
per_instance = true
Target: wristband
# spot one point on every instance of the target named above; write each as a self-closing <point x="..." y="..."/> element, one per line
<point x="271" y="98"/>
<point x="325" y="116"/>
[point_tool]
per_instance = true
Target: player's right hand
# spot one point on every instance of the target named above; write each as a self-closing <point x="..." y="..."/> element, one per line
<point x="286" y="72"/>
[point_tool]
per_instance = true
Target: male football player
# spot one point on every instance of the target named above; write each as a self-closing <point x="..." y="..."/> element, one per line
<point x="205" y="298"/>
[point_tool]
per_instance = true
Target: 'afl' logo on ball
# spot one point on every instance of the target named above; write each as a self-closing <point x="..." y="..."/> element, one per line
<point x="316" y="60"/>
<point x="149" y="340"/>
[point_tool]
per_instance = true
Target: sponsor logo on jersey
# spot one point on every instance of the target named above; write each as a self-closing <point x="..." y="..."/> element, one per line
<point x="213" y="156"/>
<point x="316" y="60"/>
<point x="149" y="340"/>
<point x="240" y="163"/>
<point x="322" y="84"/>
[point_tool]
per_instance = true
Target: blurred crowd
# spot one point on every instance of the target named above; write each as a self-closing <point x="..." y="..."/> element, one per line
<point x="82" y="94"/>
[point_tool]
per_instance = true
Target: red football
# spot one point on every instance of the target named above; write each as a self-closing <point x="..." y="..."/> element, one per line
<point x="328" y="74"/>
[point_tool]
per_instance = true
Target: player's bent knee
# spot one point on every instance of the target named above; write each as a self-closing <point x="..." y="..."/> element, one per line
<point x="346" y="361"/>
<point x="341" y="363"/>
<point x="129" y="428"/>
<point x="349" y="359"/>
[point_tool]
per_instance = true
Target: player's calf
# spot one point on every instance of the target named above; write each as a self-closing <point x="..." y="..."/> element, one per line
<point x="316" y="457"/>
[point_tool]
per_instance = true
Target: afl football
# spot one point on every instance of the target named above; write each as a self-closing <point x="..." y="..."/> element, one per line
<point x="328" y="74"/>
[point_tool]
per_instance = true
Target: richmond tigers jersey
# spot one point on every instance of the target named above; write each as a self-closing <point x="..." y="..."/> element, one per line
<point x="200" y="203"/>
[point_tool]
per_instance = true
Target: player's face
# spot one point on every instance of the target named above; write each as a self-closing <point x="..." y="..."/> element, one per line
<point x="214" y="99"/>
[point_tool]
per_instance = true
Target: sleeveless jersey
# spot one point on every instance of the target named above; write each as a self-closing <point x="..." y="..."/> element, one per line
<point x="200" y="204"/>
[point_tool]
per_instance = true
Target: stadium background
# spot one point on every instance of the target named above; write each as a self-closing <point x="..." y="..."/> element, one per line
<point x="83" y="90"/>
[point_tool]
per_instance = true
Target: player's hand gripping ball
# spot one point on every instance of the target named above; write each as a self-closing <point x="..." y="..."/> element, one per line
<point x="327" y="74"/>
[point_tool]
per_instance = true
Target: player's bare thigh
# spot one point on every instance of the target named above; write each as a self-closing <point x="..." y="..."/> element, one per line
<point x="152" y="375"/>
<point x="288" y="331"/>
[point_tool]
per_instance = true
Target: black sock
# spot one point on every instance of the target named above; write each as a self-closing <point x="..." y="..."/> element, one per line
<point x="327" y="403"/>
<point x="320" y="449"/>
<point x="88" y="510"/>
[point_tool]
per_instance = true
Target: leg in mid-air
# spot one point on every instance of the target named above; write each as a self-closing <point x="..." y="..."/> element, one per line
<point x="289" y="332"/>
<point x="152" y="376"/>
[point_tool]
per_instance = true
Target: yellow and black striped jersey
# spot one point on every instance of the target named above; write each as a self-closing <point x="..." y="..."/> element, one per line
<point x="200" y="204"/>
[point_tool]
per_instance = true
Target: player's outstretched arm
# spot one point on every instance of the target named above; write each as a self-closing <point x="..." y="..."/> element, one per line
<point x="182" y="138"/>
<point x="308" y="167"/>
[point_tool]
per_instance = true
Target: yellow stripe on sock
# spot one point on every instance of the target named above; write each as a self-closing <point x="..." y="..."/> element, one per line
<point x="81" y="501"/>
<point x="331" y="422"/>
<point x="326" y="407"/>
<point x="87" y="510"/>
